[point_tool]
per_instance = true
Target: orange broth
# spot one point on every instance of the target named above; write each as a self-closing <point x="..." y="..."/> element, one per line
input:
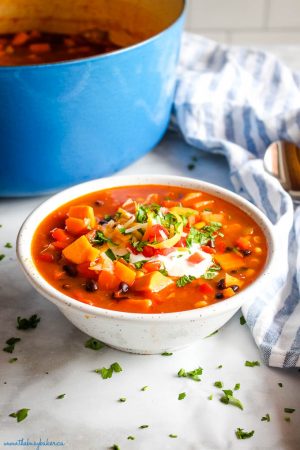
<point x="233" y="240"/>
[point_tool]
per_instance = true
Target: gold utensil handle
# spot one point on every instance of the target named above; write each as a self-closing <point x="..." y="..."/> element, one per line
<point x="292" y="156"/>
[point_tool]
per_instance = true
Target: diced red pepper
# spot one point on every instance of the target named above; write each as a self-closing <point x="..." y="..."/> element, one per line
<point x="153" y="234"/>
<point x="220" y="245"/>
<point x="208" y="249"/>
<point x="60" y="244"/>
<point x="165" y="251"/>
<point x="181" y="242"/>
<point x="195" y="258"/>
<point x="206" y="288"/>
<point x="151" y="266"/>
<point x="84" y="271"/>
<point x="59" y="234"/>
<point x="170" y="203"/>
<point x="148" y="251"/>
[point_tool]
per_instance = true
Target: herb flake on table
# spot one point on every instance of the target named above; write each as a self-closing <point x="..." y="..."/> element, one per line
<point x="2" y="256"/>
<point x="210" y="397"/>
<point x="107" y="372"/>
<point x="212" y="334"/>
<point x="218" y="384"/>
<point x="122" y="399"/>
<point x="131" y="438"/>
<point x="192" y="374"/>
<point x="220" y="366"/>
<point x="181" y="396"/>
<point x="8" y="245"/>
<point x="229" y="399"/>
<point x="144" y="388"/>
<point x="242" y="320"/>
<point x="12" y="360"/>
<point x="266" y="418"/>
<point x="115" y="447"/>
<point x="252" y="363"/>
<point x="242" y="434"/>
<point x="143" y="426"/>
<point x="93" y="344"/>
<point x="287" y="419"/>
<point x="25" y="324"/>
<point x="280" y="385"/>
<point x="184" y="280"/>
<point x="11" y="342"/>
<point x="173" y="436"/>
<point x="237" y="387"/>
<point x="166" y="354"/>
<point x="289" y="410"/>
<point x="59" y="397"/>
<point x="20" y="415"/>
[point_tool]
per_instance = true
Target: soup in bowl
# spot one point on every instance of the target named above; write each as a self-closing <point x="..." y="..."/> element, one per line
<point x="147" y="264"/>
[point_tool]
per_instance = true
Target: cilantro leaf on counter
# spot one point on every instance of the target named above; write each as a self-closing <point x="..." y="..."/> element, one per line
<point x="131" y="438"/>
<point x="181" y="396"/>
<point x="93" y="344"/>
<point x="210" y="397"/>
<point x="242" y="320"/>
<point x="144" y="388"/>
<point x="280" y="385"/>
<point x="289" y="410"/>
<point x="143" y="426"/>
<point x="20" y="415"/>
<point x="107" y="372"/>
<point x="11" y="342"/>
<point x="173" y="436"/>
<point x="241" y="434"/>
<point x="12" y="360"/>
<point x="59" y="397"/>
<point x="229" y="399"/>
<point x="193" y="374"/>
<point x="266" y="418"/>
<point x="237" y="387"/>
<point x="252" y="363"/>
<point x="184" y="280"/>
<point x="8" y="245"/>
<point x="166" y="354"/>
<point x="218" y="384"/>
<point x="2" y="256"/>
<point x="122" y="399"/>
<point x="25" y="324"/>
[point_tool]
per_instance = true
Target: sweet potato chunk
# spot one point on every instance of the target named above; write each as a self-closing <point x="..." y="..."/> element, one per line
<point x="80" y="251"/>
<point x="83" y="212"/>
<point x="229" y="261"/>
<point x="152" y="282"/>
<point x="125" y="273"/>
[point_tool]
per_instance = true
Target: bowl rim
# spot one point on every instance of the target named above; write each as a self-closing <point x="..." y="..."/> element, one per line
<point x="101" y="56"/>
<point x="27" y="230"/>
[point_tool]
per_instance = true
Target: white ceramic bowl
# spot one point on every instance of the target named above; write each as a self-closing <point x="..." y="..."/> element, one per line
<point x="141" y="333"/>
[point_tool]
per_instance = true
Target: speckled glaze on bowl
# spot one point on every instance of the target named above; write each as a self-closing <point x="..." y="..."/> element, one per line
<point x="142" y="333"/>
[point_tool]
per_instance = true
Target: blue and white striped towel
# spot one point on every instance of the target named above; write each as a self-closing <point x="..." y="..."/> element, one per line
<point x="236" y="101"/>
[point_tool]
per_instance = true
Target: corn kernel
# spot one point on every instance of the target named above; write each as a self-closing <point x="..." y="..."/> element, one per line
<point x="200" y="304"/>
<point x="257" y="239"/>
<point x="258" y="250"/>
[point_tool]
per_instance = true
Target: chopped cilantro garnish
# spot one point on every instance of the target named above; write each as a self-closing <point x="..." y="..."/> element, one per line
<point x="139" y="264"/>
<point x="144" y="388"/>
<point x="131" y="438"/>
<point x="25" y="324"/>
<point x="93" y="344"/>
<point x="184" y="280"/>
<point x="218" y="384"/>
<point x="173" y="436"/>
<point x="287" y="419"/>
<point x="212" y="272"/>
<point x="166" y="354"/>
<point x="8" y="245"/>
<point x="126" y="257"/>
<point x="237" y="387"/>
<point x="144" y="426"/>
<point x="164" y="272"/>
<point x="107" y="372"/>
<point x="242" y="320"/>
<point x="252" y="363"/>
<point x="228" y="399"/>
<point x="100" y="238"/>
<point x="122" y="399"/>
<point x="139" y="245"/>
<point x="220" y="366"/>
<point x="203" y="236"/>
<point x="280" y="385"/>
<point x="181" y="396"/>
<point x="169" y="219"/>
<point x="2" y="257"/>
<point x="115" y="447"/>
<point x="193" y="374"/>
<point x="11" y="344"/>
<point x="210" y="397"/>
<point x="12" y="360"/>
<point x="110" y="254"/>
<point x="289" y="410"/>
<point x="20" y="415"/>
<point x="59" y="397"/>
<point x="241" y="434"/>
<point x="266" y="418"/>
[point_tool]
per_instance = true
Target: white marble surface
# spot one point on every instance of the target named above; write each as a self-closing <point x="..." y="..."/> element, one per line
<point x="52" y="360"/>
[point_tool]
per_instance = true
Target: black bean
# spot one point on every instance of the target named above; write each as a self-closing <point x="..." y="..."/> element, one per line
<point x="66" y="286"/>
<point x="228" y="249"/>
<point x="221" y="284"/>
<point x="99" y="203"/>
<point x="91" y="285"/>
<point x="121" y="293"/>
<point x="246" y="252"/>
<point x="235" y="287"/>
<point x="219" y="296"/>
<point x="70" y="270"/>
